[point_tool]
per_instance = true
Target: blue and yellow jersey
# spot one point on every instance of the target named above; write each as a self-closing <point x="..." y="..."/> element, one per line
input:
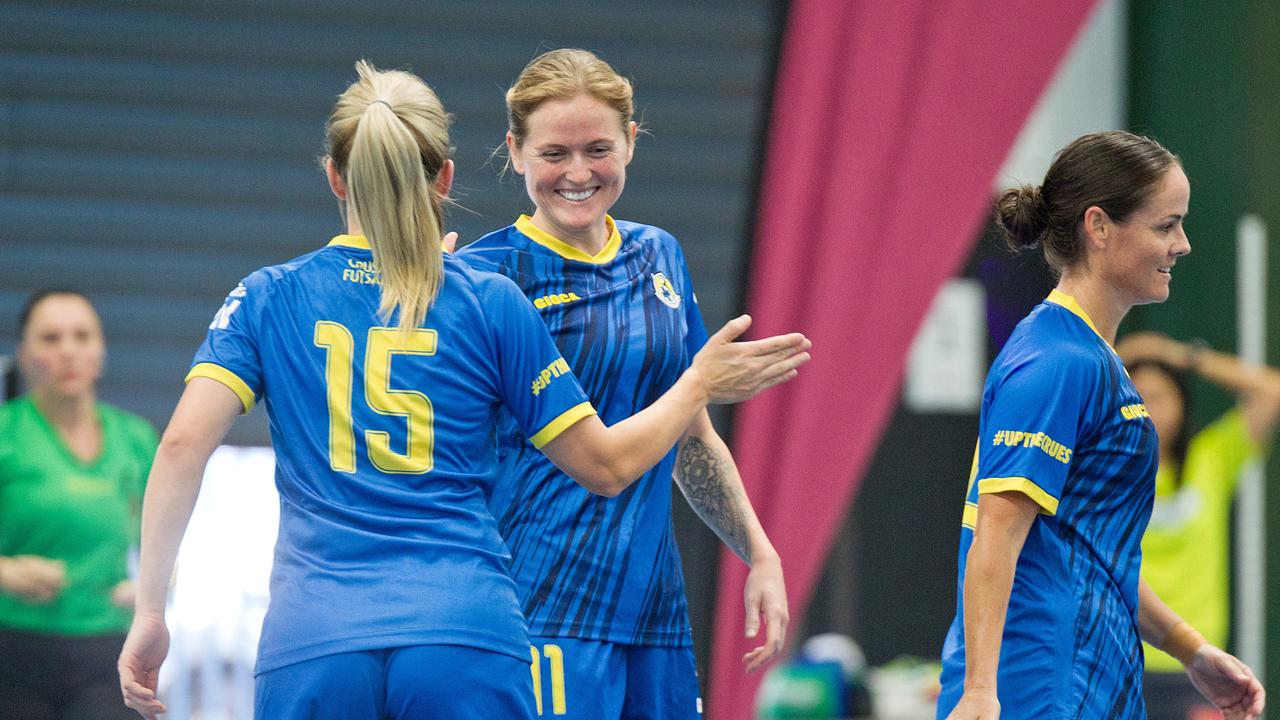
<point x="383" y="442"/>
<point x="1062" y="423"/>
<point x="627" y="322"/>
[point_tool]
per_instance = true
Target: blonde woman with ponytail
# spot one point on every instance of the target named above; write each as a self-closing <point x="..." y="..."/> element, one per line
<point x="383" y="363"/>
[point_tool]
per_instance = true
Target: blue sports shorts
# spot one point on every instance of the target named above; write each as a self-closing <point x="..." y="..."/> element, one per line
<point x="595" y="680"/>
<point x="421" y="682"/>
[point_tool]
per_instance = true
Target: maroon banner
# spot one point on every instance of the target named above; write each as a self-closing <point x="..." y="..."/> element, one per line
<point x="890" y="121"/>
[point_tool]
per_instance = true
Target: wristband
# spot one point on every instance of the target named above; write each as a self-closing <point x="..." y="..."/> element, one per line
<point x="1182" y="642"/>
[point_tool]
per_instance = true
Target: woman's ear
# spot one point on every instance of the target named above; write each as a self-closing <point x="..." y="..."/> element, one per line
<point x="444" y="180"/>
<point x="632" y="128"/>
<point x="1097" y="227"/>
<point x="513" y="153"/>
<point x="336" y="183"/>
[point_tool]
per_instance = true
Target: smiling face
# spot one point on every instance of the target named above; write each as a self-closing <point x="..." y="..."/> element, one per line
<point x="574" y="159"/>
<point x="62" y="347"/>
<point x="1140" y="252"/>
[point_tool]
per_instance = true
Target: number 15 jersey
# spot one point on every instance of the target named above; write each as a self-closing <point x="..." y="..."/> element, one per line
<point x="384" y="444"/>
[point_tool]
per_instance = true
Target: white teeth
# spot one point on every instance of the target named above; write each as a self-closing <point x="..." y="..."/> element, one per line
<point x="576" y="195"/>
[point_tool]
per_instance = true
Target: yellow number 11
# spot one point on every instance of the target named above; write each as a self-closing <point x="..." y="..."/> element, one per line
<point x="382" y="345"/>
<point x="555" y="656"/>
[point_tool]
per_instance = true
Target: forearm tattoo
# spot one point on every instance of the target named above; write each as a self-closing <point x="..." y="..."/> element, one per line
<point x="703" y="474"/>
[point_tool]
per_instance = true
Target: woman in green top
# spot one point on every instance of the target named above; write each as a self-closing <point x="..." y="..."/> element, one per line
<point x="1185" y="556"/>
<point x="71" y="478"/>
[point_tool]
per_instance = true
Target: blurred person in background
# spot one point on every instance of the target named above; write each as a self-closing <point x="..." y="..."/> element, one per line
<point x="600" y="578"/>
<point x="1051" y="612"/>
<point x="72" y="472"/>
<point x="382" y="362"/>
<point x="1186" y="549"/>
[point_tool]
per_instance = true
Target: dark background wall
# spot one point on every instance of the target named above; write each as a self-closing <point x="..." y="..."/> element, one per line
<point x="153" y="152"/>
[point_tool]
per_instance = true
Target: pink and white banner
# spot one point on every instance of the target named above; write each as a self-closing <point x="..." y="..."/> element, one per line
<point x="889" y="123"/>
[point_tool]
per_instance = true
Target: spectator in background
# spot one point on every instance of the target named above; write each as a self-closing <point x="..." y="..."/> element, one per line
<point x="72" y="472"/>
<point x="1185" y="551"/>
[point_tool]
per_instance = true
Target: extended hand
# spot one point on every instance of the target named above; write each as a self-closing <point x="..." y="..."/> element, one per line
<point x="33" y="578"/>
<point x="1227" y="683"/>
<point x="735" y="371"/>
<point x="139" y="665"/>
<point x="766" y="595"/>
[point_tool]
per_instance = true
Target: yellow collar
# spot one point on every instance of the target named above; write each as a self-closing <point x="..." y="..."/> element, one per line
<point x="360" y="242"/>
<point x="352" y="241"/>
<point x="1057" y="297"/>
<point x="567" y="251"/>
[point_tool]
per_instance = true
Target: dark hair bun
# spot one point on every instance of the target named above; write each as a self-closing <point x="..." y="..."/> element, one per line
<point x="1023" y="216"/>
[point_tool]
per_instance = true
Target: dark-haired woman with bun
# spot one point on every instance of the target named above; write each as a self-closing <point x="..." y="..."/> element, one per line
<point x="1051" y="612"/>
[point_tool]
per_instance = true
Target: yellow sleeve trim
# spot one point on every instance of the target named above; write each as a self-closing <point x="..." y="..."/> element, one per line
<point x="566" y="420"/>
<point x="970" y="517"/>
<point x="226" y="377"/>
<point x="1048" y="503"/>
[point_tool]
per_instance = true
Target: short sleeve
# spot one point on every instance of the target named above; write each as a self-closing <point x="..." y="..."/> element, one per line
<point x="695" y="329"/>
<point x="536" y="383"/>
<point x="230" y="353"/>
<point x="1033" y="419"/>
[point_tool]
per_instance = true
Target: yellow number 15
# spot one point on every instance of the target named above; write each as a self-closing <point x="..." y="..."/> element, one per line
<point x="382" y="345"/>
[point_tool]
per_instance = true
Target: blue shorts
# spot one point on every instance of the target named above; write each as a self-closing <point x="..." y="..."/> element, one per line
<point x="422" y="682"/>
<point x="595" y="680"/>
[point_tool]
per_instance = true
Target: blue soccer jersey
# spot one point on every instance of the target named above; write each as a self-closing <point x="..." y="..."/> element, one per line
<point x="1062" y="423"/>
<point x="627" y="322"/>
<point x="383" y="441"/>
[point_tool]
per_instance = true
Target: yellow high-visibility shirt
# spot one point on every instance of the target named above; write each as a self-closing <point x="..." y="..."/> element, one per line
<point x="1185" y="551"/>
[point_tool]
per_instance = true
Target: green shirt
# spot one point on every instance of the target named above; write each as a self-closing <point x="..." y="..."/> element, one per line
<point x="83" y="513"/>
<point x="1185" y="550"/>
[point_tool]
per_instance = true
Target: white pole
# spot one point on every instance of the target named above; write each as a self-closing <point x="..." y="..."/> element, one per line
<point x="1251" y="318"/>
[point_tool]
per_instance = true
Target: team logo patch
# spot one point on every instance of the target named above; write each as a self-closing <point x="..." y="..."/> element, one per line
<point x="665" y="291"/>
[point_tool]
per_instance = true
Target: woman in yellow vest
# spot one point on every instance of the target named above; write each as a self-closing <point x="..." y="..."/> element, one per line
<point x="1185" y="553"/>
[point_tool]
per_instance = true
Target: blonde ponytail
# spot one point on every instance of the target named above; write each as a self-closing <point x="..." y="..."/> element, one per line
<point x="389" y="138"/>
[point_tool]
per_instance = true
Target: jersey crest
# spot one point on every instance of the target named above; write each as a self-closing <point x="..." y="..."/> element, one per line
<point x="665" y="291"/>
